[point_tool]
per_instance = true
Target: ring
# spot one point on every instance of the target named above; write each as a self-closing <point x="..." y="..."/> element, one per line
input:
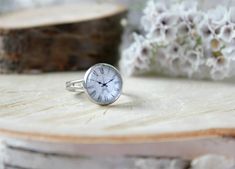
<point x="102" y="83"/>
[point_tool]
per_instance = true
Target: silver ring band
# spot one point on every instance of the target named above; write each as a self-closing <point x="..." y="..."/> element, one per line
<point x="75" y="86"/>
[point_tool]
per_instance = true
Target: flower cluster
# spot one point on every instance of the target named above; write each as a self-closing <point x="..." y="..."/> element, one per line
<point x="182" y="40"/>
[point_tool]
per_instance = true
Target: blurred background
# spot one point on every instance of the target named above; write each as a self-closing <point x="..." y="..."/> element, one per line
<point x="135" y="6"/>
<point x="132" y="23"/>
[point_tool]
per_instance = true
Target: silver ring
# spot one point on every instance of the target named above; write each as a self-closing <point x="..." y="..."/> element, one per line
<point x="75" y="86"/>
<point x="102" y="83"/>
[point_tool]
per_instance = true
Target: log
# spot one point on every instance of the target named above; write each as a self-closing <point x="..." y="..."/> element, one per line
<point x="44" y="126"/>
<point x="148" y="110"/>
<point x="67" y="37"/>
<point x="18" y="156"/>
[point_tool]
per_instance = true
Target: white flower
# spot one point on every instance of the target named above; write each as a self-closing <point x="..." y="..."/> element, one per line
<point x="161" y="57"/>
<point x="218" y="15"/>
<point x="188" y="23"/>
<point x="167" y="20"/>
<point x="152" y="11"/>
<point x="227" y="33"/>
<point x="161" y="22"/>
<point x="155" y="8"/>
<point x="186" y="6"/>
<point x="200" y="50"/>
<point x="215" y="44"/>
<point x="229" y="52"/>
<point x="149" y="15"/>
<point x="175" y="66"/>
<point x="156" y="33"/>
<point x="182" y="40"/>
<point x="192" y="56"/>
<point x="174" y="50"/>
<point x="149" y="7"/>
<point x="193" y="18"/>
<point x="211" y="62"/>
<point x="232" y="15"/>
<point x="163" y="36"/>
<point x="183" y="29"/>
<point x="137" y="57"/>
<point x="187" y="68"/>
<point x="218" y="62"/>
<point x="170" y="34"/>
<point x="160" y="7"/>
<point x="193" y="60"/>
<point x="206" y="31"/>
<point x="219" y="74"/>
<point x="219" y="71"/>
<point x="146" y="23"/>
<point x="132" y="52"/>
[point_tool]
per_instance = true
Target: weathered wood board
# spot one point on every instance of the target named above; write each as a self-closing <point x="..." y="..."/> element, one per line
<point x="150" y="109"/>
<point x="64" y="37"/>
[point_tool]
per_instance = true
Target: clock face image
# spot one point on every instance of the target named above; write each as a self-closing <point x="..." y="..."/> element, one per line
<point x="103" y="84"/>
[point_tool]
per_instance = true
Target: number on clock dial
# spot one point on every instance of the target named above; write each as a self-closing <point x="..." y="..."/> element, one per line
<point x="104" y="84"/>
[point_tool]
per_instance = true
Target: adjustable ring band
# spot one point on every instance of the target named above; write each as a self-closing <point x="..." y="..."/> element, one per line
<point x="75" y="86"/>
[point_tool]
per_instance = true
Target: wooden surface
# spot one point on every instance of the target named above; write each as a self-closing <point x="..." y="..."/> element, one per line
<point x="18" y="154"/>
<point x="150" y="109"/>
<point x="58" y="38"/>
<point x="38" y="17"/>
<point x="183" y="148"/>
<point x="23" y="154"/>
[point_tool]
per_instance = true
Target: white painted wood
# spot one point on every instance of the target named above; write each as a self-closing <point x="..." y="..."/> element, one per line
<point x="150" y="109"/>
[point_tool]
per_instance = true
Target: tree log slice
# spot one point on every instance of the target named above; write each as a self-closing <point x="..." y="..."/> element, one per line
<point x="43" y="126"/>
<point x="68" y="37"/>
<point x="150" y="109"/>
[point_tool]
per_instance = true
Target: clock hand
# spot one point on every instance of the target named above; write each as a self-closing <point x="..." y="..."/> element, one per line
<point x="109" y="81"/>
<point x="97" y="81"/>
<point x="105" y="84"/>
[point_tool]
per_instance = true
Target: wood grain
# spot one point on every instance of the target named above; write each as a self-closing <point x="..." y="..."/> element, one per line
<point x="150" y="109"/>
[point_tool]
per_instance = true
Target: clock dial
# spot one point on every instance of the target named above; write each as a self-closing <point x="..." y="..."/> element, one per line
<point x="103" y="84"/>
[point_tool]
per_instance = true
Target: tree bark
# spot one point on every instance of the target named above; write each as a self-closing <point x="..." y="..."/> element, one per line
<point x="61" y="45"/>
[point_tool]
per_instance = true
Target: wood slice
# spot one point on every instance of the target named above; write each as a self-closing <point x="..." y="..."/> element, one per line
<point x="43" y="126"/>
<point x="68" y="37"/>
<point x="38" y="107"/>
<point x="17" y="156"/>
